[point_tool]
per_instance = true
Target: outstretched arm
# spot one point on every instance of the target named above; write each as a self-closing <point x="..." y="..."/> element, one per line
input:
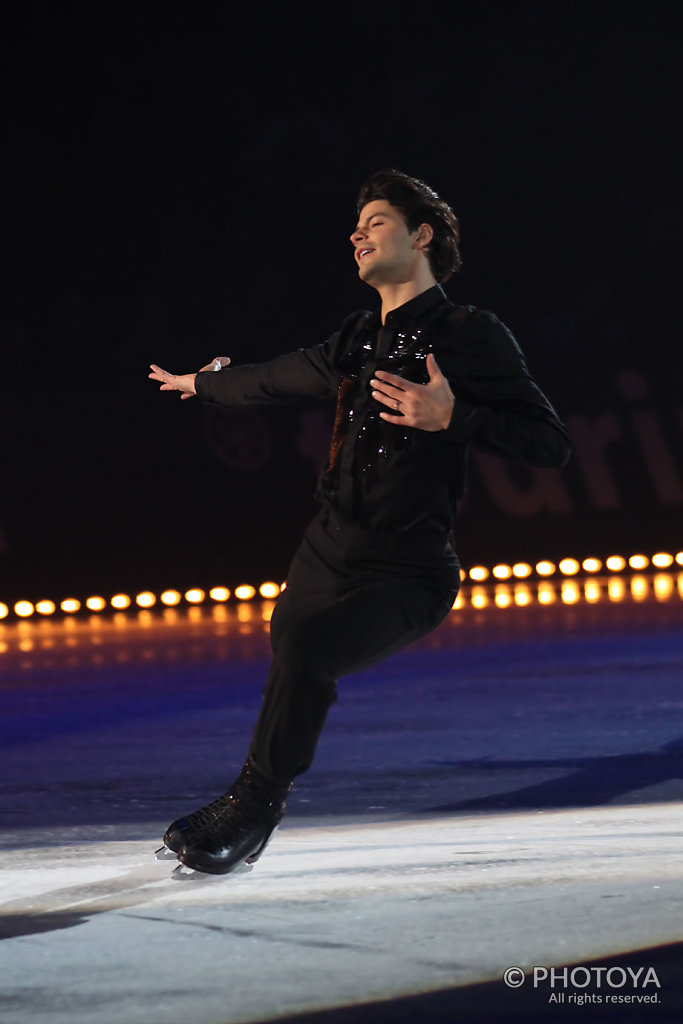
<point x="303" y="373"/>
<point x="306" y="372"/>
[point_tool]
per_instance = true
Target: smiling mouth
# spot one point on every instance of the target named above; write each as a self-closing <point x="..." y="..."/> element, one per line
<point x="363" y="253"/>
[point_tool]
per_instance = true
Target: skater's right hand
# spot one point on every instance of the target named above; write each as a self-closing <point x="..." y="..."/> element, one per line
<point x="183" y="382"/>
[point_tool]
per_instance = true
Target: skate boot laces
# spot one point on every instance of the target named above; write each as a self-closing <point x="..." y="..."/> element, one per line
<point x="251" y="795"/>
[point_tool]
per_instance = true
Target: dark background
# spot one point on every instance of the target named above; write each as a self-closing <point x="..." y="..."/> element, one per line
<point x="181" y="184"/>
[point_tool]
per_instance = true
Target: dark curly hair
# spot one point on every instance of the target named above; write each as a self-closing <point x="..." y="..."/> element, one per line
<point x="419" y="204"/>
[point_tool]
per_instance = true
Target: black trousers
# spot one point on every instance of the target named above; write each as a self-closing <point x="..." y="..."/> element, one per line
<point x="353" y="597"/>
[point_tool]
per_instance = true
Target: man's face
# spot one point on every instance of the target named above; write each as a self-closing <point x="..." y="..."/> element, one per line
<point x="385" y="251"/>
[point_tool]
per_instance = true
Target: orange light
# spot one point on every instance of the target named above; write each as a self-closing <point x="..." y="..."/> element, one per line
<point x="592" y="592"/>
<point x="219" y="593"/>
<point x="4" y="611"/>
<point x="569" y="567"/>
<point x="170" y="598"/>
<point x="663" y="585"/>
<point x="662" y="560"/>
<point x="570" y="593"/>
<point x="546" y="593"/>
<point x="269" y="589"/>
<point x="479" y="573"/>
<point x="616" y="589"/>
<point x="479" y="598"/>
<point x="615" y="563"/>
<point x="545" y="568"/>
<point x="502" y="572"/>
<point x="638" y="562"/>
<point x="194" y="596"/>
<point x="591" y="565"/>
<point x="522" y="596"/>
<point x="23" y="609"/>
<point x="679" y="558"/>
<point x="120" y="601"/>
<point x="521" y="570"/>
<point x="503" y="599"/>
<point x="145" y="599"/>
<point x="70" y="605"/>
<point x="459" y="601"/>
<point x="639" y="588"/>
<point x="245" y="592"/>
<point x="95" y="604"/>
<point x="46" y="607"/>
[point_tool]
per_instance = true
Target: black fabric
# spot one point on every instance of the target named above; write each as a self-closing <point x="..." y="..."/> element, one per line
<point x="353" y="597"/>
<point x="376" y="569"/>
<point x="386" y="477"/>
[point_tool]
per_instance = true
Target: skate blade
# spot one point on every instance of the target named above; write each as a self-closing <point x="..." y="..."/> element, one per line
<point x="165" y="854"/>
<point x="183" y="873"/>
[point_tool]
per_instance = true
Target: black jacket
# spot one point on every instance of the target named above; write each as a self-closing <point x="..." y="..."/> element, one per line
<point x="380" y="475"/>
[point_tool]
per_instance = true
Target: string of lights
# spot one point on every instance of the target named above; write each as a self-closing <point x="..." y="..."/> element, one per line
<point x="565" y="569"/>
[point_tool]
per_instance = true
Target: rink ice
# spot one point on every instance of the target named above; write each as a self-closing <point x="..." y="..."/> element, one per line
<point x="510" y="798"/>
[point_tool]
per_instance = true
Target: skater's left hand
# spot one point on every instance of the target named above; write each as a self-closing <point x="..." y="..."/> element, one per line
<point x="424" y="406"/>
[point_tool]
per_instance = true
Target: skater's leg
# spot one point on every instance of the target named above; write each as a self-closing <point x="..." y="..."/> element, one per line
<point x="313" y="585"/>
<point x="314" y="648"/>
<point x="331" y="620"/>
<point x="361" y="627"/>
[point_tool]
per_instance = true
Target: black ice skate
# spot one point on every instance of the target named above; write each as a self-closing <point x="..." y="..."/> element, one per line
<point x="239" y="826"/>
<point x="183" y="829"/>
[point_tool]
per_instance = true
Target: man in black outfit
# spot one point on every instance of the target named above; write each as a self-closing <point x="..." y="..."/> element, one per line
<point x="416" y="383"/>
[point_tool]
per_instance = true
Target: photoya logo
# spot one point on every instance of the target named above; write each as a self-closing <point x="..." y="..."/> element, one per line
<point x="605" y="978"/>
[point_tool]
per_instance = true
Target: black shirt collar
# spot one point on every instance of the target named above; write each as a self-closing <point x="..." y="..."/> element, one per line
<point x="412" y="310"/>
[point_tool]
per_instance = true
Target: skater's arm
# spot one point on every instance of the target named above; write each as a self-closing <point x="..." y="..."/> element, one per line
<point x="306" y="372"/>
<point x="498" y="407"/>
<point x="295" y="375"/>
